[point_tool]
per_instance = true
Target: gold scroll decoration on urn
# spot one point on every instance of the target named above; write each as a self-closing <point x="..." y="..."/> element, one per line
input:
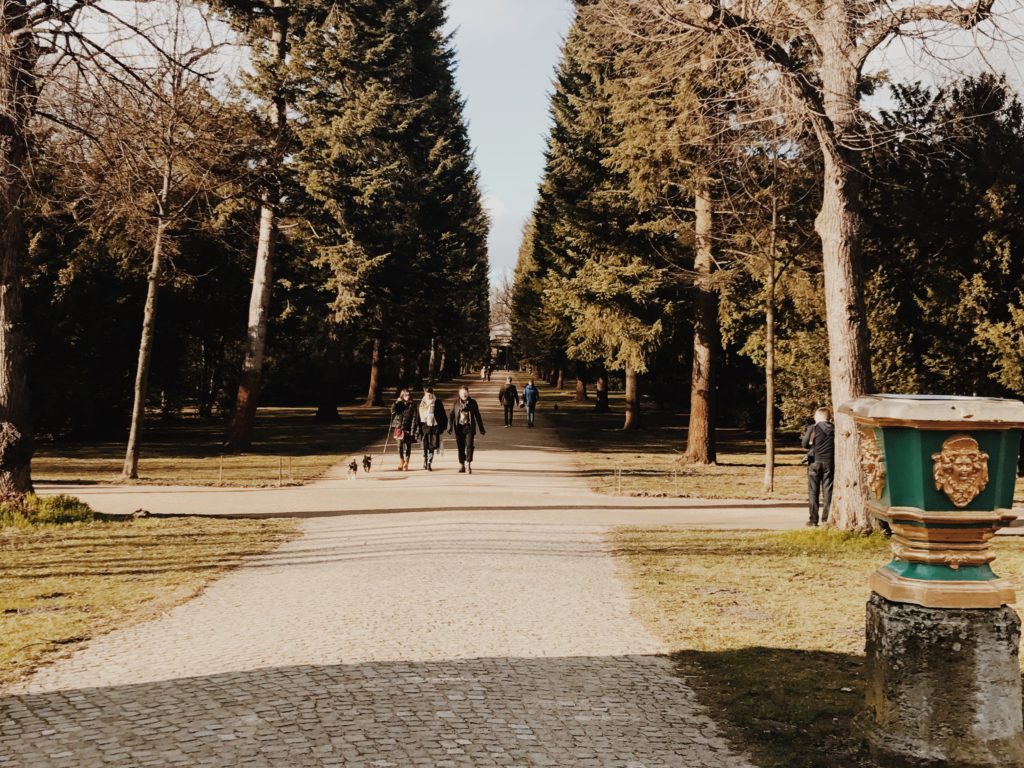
<point x="960" y="469"/>
<point x="872" y="463"/>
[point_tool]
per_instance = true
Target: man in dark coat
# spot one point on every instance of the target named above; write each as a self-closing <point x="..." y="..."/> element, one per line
<point x="464" y="420"/>
<point x="819" y="439"/>
<point x="508" y="396"/>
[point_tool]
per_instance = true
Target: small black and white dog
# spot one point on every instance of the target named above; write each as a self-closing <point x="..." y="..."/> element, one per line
<point x="367" y="463"/>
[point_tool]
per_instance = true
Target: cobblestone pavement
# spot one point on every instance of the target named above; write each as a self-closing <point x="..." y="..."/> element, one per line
<point x="479" y="636"/>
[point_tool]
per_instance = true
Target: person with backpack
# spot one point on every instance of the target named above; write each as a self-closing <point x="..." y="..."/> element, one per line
<point x="508" y="396"/>
<point x="464" y="420"/>
<point x="530" y="397"/>
<point x="433" y="423"/>
<point x="405" y="421"/>
<point x="819" y="439"/>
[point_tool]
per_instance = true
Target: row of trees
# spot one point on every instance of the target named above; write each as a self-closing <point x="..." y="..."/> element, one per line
<point x="338" y="157"/>
<point x="717" y="201"/>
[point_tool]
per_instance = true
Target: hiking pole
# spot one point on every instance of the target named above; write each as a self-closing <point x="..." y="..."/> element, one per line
<point x="387" y="436"/>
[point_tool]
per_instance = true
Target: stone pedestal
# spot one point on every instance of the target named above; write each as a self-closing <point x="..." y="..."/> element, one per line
<point x="943" y="686"/>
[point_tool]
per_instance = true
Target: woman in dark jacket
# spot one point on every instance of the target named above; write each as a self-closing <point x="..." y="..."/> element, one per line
<point x="433" y="423"/>
<point x="405" y="420"/>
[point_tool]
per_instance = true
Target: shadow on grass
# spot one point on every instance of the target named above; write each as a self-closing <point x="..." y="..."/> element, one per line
<point x="788" y="708"/>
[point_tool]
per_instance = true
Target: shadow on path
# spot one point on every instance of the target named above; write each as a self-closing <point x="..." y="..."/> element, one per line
<point x="607" y="711"/>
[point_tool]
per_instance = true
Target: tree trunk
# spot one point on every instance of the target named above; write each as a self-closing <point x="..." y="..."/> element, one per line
<point x="839" y="225"/>
<point x="700" y="436"/>
<point x="632" y="400"/>
<point x="581" y="383"/>
<point x="130" y="470"/>
<point x="240" y="433"/>
<point x="17" y="89"/>
<point x="601" y="391"/>
<point x="373" y="395"/>
<point x="560" y="378"/>
<point x="769" y="378"/>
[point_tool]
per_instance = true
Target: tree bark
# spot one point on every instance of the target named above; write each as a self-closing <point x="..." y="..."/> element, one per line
<point x="632" y="400"/>
<point x="601" y="391"/>
<point x="373" y="394"/>
<point x="700" y="436"/>
<point x="560" y="378"/>
<point x="240" y="433"/>
<point x="769" y="378"/>
<point x="839" y="225"/>
<point x="17" y="91"/>
<point x="130" y="470"/>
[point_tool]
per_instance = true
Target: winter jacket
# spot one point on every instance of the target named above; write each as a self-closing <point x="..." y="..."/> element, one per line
<point x="466" y="416"/>
<point x="440" y="419"/>
<point x="405" y="415"/>
<point x="508" y="395"/>
<point x="820" y="440"/>
<point x="531" y="395"/>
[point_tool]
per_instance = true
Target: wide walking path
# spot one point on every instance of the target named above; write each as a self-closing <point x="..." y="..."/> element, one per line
<point x="456" y="626"/>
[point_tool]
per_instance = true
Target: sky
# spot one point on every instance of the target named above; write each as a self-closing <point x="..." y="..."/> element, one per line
<point x="507" y="53"/>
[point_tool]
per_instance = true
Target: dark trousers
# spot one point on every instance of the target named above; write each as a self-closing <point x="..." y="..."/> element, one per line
<point x="509" y="410"/>
<point x="430" y="444"/>
<point x="464" y="438"/>
<point x="531" y="413"/>
<point x="404" y="449"/>
<point x="820" y="477"/>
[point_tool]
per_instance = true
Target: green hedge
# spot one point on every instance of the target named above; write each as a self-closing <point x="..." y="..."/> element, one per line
<point x="29" y="510"/>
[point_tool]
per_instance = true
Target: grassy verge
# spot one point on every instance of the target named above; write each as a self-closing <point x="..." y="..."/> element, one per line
<point x="62" y="585"/>
<point x="644" y="463"/>
<point x="769" y="628"/>
<point x="290" y="447"/>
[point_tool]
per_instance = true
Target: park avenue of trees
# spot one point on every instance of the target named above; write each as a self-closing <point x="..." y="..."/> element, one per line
<point x="722" y="223"/>
<point x="719" y="208"/>
<point x="148" y="197"/>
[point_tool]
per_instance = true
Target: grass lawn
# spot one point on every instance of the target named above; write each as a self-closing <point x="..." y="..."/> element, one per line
<point x="290" y="447"/>
<point x="769" y="629"/>
<point x="62" y="585"/>
<point x="644" y="462"/>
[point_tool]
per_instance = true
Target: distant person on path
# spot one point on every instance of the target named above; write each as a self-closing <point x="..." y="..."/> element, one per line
<point x="530" y="397"/>
<point x="405" y="421"/>
<point x="508" y="396"/>
<point x="433" y="423"/>
<point x="490" y="370"/>
<point x="819" y="439"/>
<point x="464" y="421"/>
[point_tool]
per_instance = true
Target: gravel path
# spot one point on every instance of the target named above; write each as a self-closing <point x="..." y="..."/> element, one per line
<point x="487" y="635"/>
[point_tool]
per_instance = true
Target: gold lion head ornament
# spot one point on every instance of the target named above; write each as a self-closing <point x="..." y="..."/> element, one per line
<point x="961" y="469"/>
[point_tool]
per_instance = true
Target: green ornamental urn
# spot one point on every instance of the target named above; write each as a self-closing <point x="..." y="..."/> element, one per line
<point x="940" y="472"/>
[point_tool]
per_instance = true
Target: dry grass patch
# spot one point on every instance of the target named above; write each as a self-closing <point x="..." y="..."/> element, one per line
<point x="770" y="629"/>
<point x="289" y="447"/>
<point x="60" y="586"/>
<point x="644" y="463"/>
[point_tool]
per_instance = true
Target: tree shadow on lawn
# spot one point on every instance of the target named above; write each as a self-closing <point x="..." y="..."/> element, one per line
<point x="787" y="707"/>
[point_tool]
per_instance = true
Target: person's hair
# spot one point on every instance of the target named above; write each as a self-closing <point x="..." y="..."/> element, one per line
<point x="531" y="381"/>
<point x="428" y="391"/>
<point x="824" y="411"/>
<point x="509" y="379"/>
<point x="404" y="393"/>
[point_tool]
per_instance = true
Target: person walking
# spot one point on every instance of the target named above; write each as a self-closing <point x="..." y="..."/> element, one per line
<point x="433" y="423"/>
<point x="508" y="396"/>
<point x="530" y="397"/>
<point x="405" y="420"/>
<point x="464" y="421"/>
<point x="819" y="439"/>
